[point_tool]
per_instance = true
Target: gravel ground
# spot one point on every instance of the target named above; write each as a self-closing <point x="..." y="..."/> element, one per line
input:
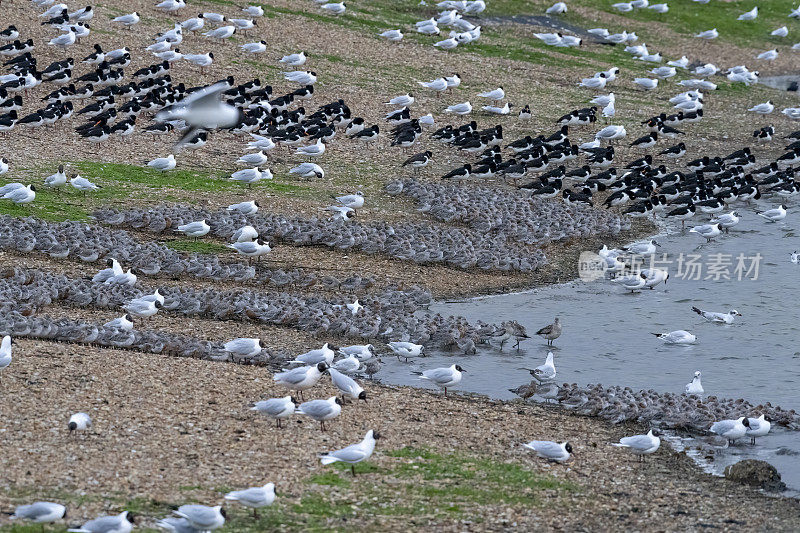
<point x="171" y="431"/>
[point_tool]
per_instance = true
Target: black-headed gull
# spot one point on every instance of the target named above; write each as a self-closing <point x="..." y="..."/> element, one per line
<point x="5" y="352"/>
<point x="758" y="427"/>
<point x="252" y="249"/>
<point x="254" y="497"/>
<point x="320" y="355"/>
<point x="774" y="215"/>
<point x="251" y="175"/>
<point x="464" y="108"/>
<point x="749" y="15"/>
<point x="547" y="371"/>
<point x="763" y="109"/>
<point x="223" y="32"/>
<point x="302" y="378"/>
<point x="708" y="34"/>
<point x="443" y="377"/>
<point x="494" y="95"/>
<point x="321" y="410"/>
<point x="40" y="512"/>
<point x="245" y="208"/>
<point x="677" y="337"/>
<point x="243" y="347"/>
<point x="202" y="517"/>
<point x="646" y="83"/>
<point x="195" y="229"/>
<point x="79" y="422"/>
<point x="354" y="201"/>
<point x="354" y="453"/>
<point x="294" y="60"/>
<point x="337" y="8"/>
<point x="308" y="170"/>
<point x="552" y="451"/>
<point x="277" y="408"/>
<point x="696" y="385"/>
<point x="204" y="110"/>
<point x="255" y="159"/>
<point x="731" y="429"/>
<point x="21" y="195"/>
<point x="726" y="221"/>
<point x="641" y="445"/>
<point x="163" y="163"/>
<point x="632" y="282"/>
<point x="724" y="318"/>
<point x="123" y="323"/>
<point x="121" y="523"/>
<point x="141" y="309"/>
<point x="405" y="349"/>
<point x="708" y="231"/>
<point x="392" y="35"/>
<point x="254" y="48"/>
<point x="301" y="77"/>
<point x="439" y="84"/>
<point x="347" y="385"/>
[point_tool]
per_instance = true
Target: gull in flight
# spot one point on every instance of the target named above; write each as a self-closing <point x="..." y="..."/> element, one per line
<point x="641" y="445"/>
<point x="723" y="318"/>
<point x="354" y="453"/>
<point x="202" y="110"/>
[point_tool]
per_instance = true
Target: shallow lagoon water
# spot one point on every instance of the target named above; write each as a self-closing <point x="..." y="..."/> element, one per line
<point x="607" y="332"/>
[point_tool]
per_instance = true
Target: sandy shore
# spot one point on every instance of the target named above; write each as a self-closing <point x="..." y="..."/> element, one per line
<point x="170" y="431"/>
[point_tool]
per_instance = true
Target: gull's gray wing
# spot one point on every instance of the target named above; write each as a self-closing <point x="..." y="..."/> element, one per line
<point x="273" y="406"/>
<point x="293" y="376"/>
<point x="439" y="375"/>
<point x="316" y="408"/>
<point x="341" y="381"/>
<point x="351" y="454"/>
<point x="638" y="442"/>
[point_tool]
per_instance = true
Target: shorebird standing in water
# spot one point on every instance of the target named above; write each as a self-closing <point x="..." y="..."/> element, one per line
<point x="551" y="332"/>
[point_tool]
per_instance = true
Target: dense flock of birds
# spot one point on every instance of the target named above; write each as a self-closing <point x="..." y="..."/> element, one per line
<point x="559" y="190"/>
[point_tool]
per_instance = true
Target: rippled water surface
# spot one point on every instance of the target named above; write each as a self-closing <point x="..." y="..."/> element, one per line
<point x="607" y="332"/>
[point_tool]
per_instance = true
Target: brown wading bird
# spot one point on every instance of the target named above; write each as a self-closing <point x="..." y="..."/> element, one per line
<point x="551" y="332"/>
